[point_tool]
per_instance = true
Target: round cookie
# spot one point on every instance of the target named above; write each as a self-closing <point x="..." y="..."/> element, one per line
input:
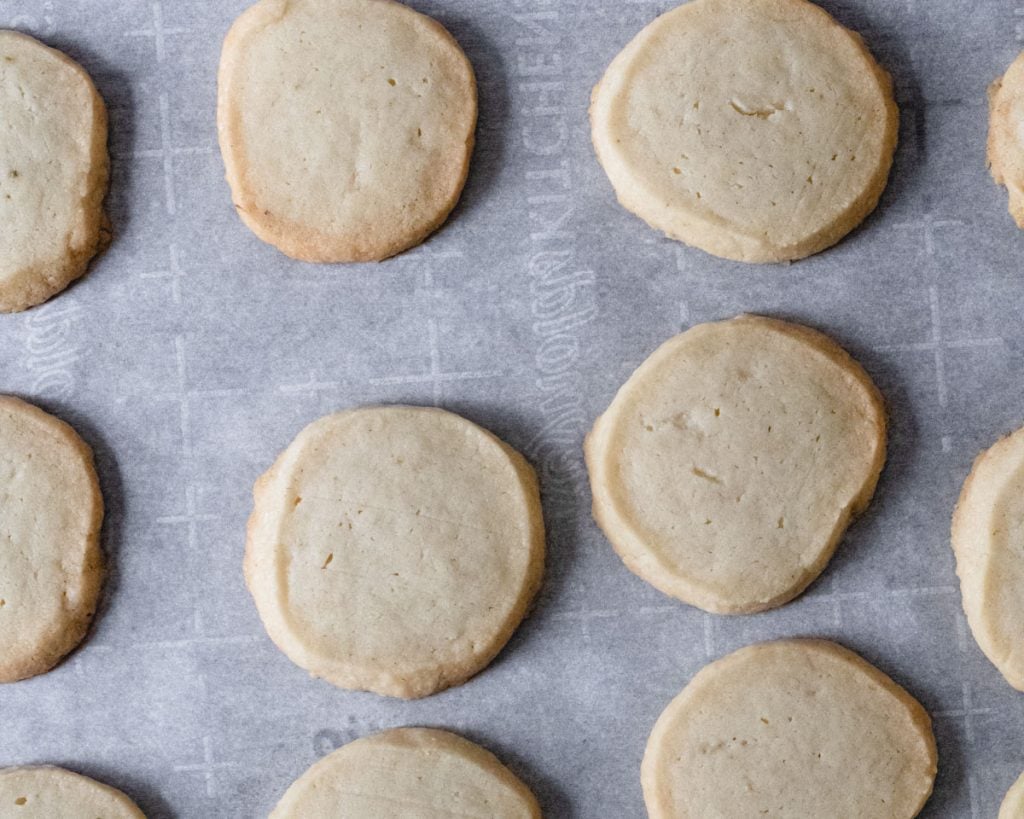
<point x="793" y="728"/>
<point x="1006" y="135"/>
<point x="51" y="567"/>
<point x="53" y="171"/>
<point x="988" y="540"/>
<point x="408" y="772"/>
<point x="45" y="792"/>
<point x="756" y="130"/>
<point x="1013" y="804"/>
<point x="395" y="549"/>
<point x="346" y="126"/>
<point x="729" y="465"/>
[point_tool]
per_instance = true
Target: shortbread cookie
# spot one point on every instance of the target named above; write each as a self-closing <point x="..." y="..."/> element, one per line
<point x="346" y="126"/>
<point x="53" y="171"/>
<point x="757" y="130"/>
<point x="988" y="540"/>
<point x="408" y="772"/>
<point x="1006" y="135"/>
<point x="395" y="549"/>
<point x="1013" y="804"/>
<point x="795" y="728"/>
<point x="45" y="792"/>
<point x="729" y="465"/>
<point x="50" y="560"/>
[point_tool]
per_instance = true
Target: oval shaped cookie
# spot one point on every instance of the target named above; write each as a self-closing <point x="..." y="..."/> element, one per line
<point x="346" y="126"/>
<point x="729" y="465"/>
<point x="53" y="171"/>
<point x="50" y="561"/>
<point x="794" y="728"/>
<point x="395" y="549"/>
<point x="405" y="772"/>
<point x="756" y="130"/>
<point x="46" y="792"/>
<point x="988" y="540"/>
<point x="1005" y="136"/>
<point x="1013" y="804"/>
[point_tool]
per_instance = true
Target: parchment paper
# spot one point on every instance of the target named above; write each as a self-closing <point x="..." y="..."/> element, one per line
<point x="192" y="353"/>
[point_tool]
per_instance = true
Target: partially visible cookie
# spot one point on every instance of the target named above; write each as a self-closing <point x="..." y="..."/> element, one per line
<point x="756" y="130"/>
<point x="46" y="792"/>
<point x="408" y="772"/>
<point x="793" y="728"/>
<point x="50" y="561"/>
<point x="988" y="540"/>
<point x="1013" y="804"/>
<point x="346" y="126"/>
<point x="1006" y="135"/>
<point x="53" y="171"/>
<point x="727" y="468"/>
<point x="395" y="549"/>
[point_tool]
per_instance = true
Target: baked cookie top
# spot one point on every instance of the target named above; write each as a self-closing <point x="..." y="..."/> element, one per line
<point x="53" y="171"/>
<point x="757" y="130"/>
<point x="50" y="561"/>
<point x="346" y="126"/>
<point x="988" y="540"/>
<point x="1006" y="135"/>
<point x="728" y="466"/>
<point x="794" y="728"/>
<point x="422" y="772"/>
<point x="395" y="549"/>
<point x="46" y="792"/>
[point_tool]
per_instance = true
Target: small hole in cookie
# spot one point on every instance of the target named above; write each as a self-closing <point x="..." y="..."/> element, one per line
<point x="782" y="523"/>
<point x="298" y="500"/>
<point x="390" y="81"/>
<point x="327" y="562"/>
<point x="3" y="603"/>
<point x="13" y="174"/>
<point x="676" y="171"/>
<point x="21" y="800"/>
<point x="419" y="132"/>
<point x="718" y="412"/>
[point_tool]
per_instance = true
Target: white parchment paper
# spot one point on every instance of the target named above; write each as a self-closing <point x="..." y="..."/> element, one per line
<point x="192" y="354"/>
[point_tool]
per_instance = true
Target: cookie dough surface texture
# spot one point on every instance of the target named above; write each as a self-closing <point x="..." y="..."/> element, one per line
<point x="757" y="130"/>
<point x="729" y="465"/>
<point x="794" y="728"/>
<point x="53" y="171"/>
<point x="988" y="540"/>
<point x="50" y="561"/>
<point x="1013" y="804"/>
<point x="45" y="792"/>
<point x="408" y="773"/>
<point x="346" y="126"/>
<point x="395" y="549"/>
<point x="1006" y="135"/>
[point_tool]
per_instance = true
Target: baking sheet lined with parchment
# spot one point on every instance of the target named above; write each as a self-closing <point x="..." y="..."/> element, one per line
<point x="192" y="353"/>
